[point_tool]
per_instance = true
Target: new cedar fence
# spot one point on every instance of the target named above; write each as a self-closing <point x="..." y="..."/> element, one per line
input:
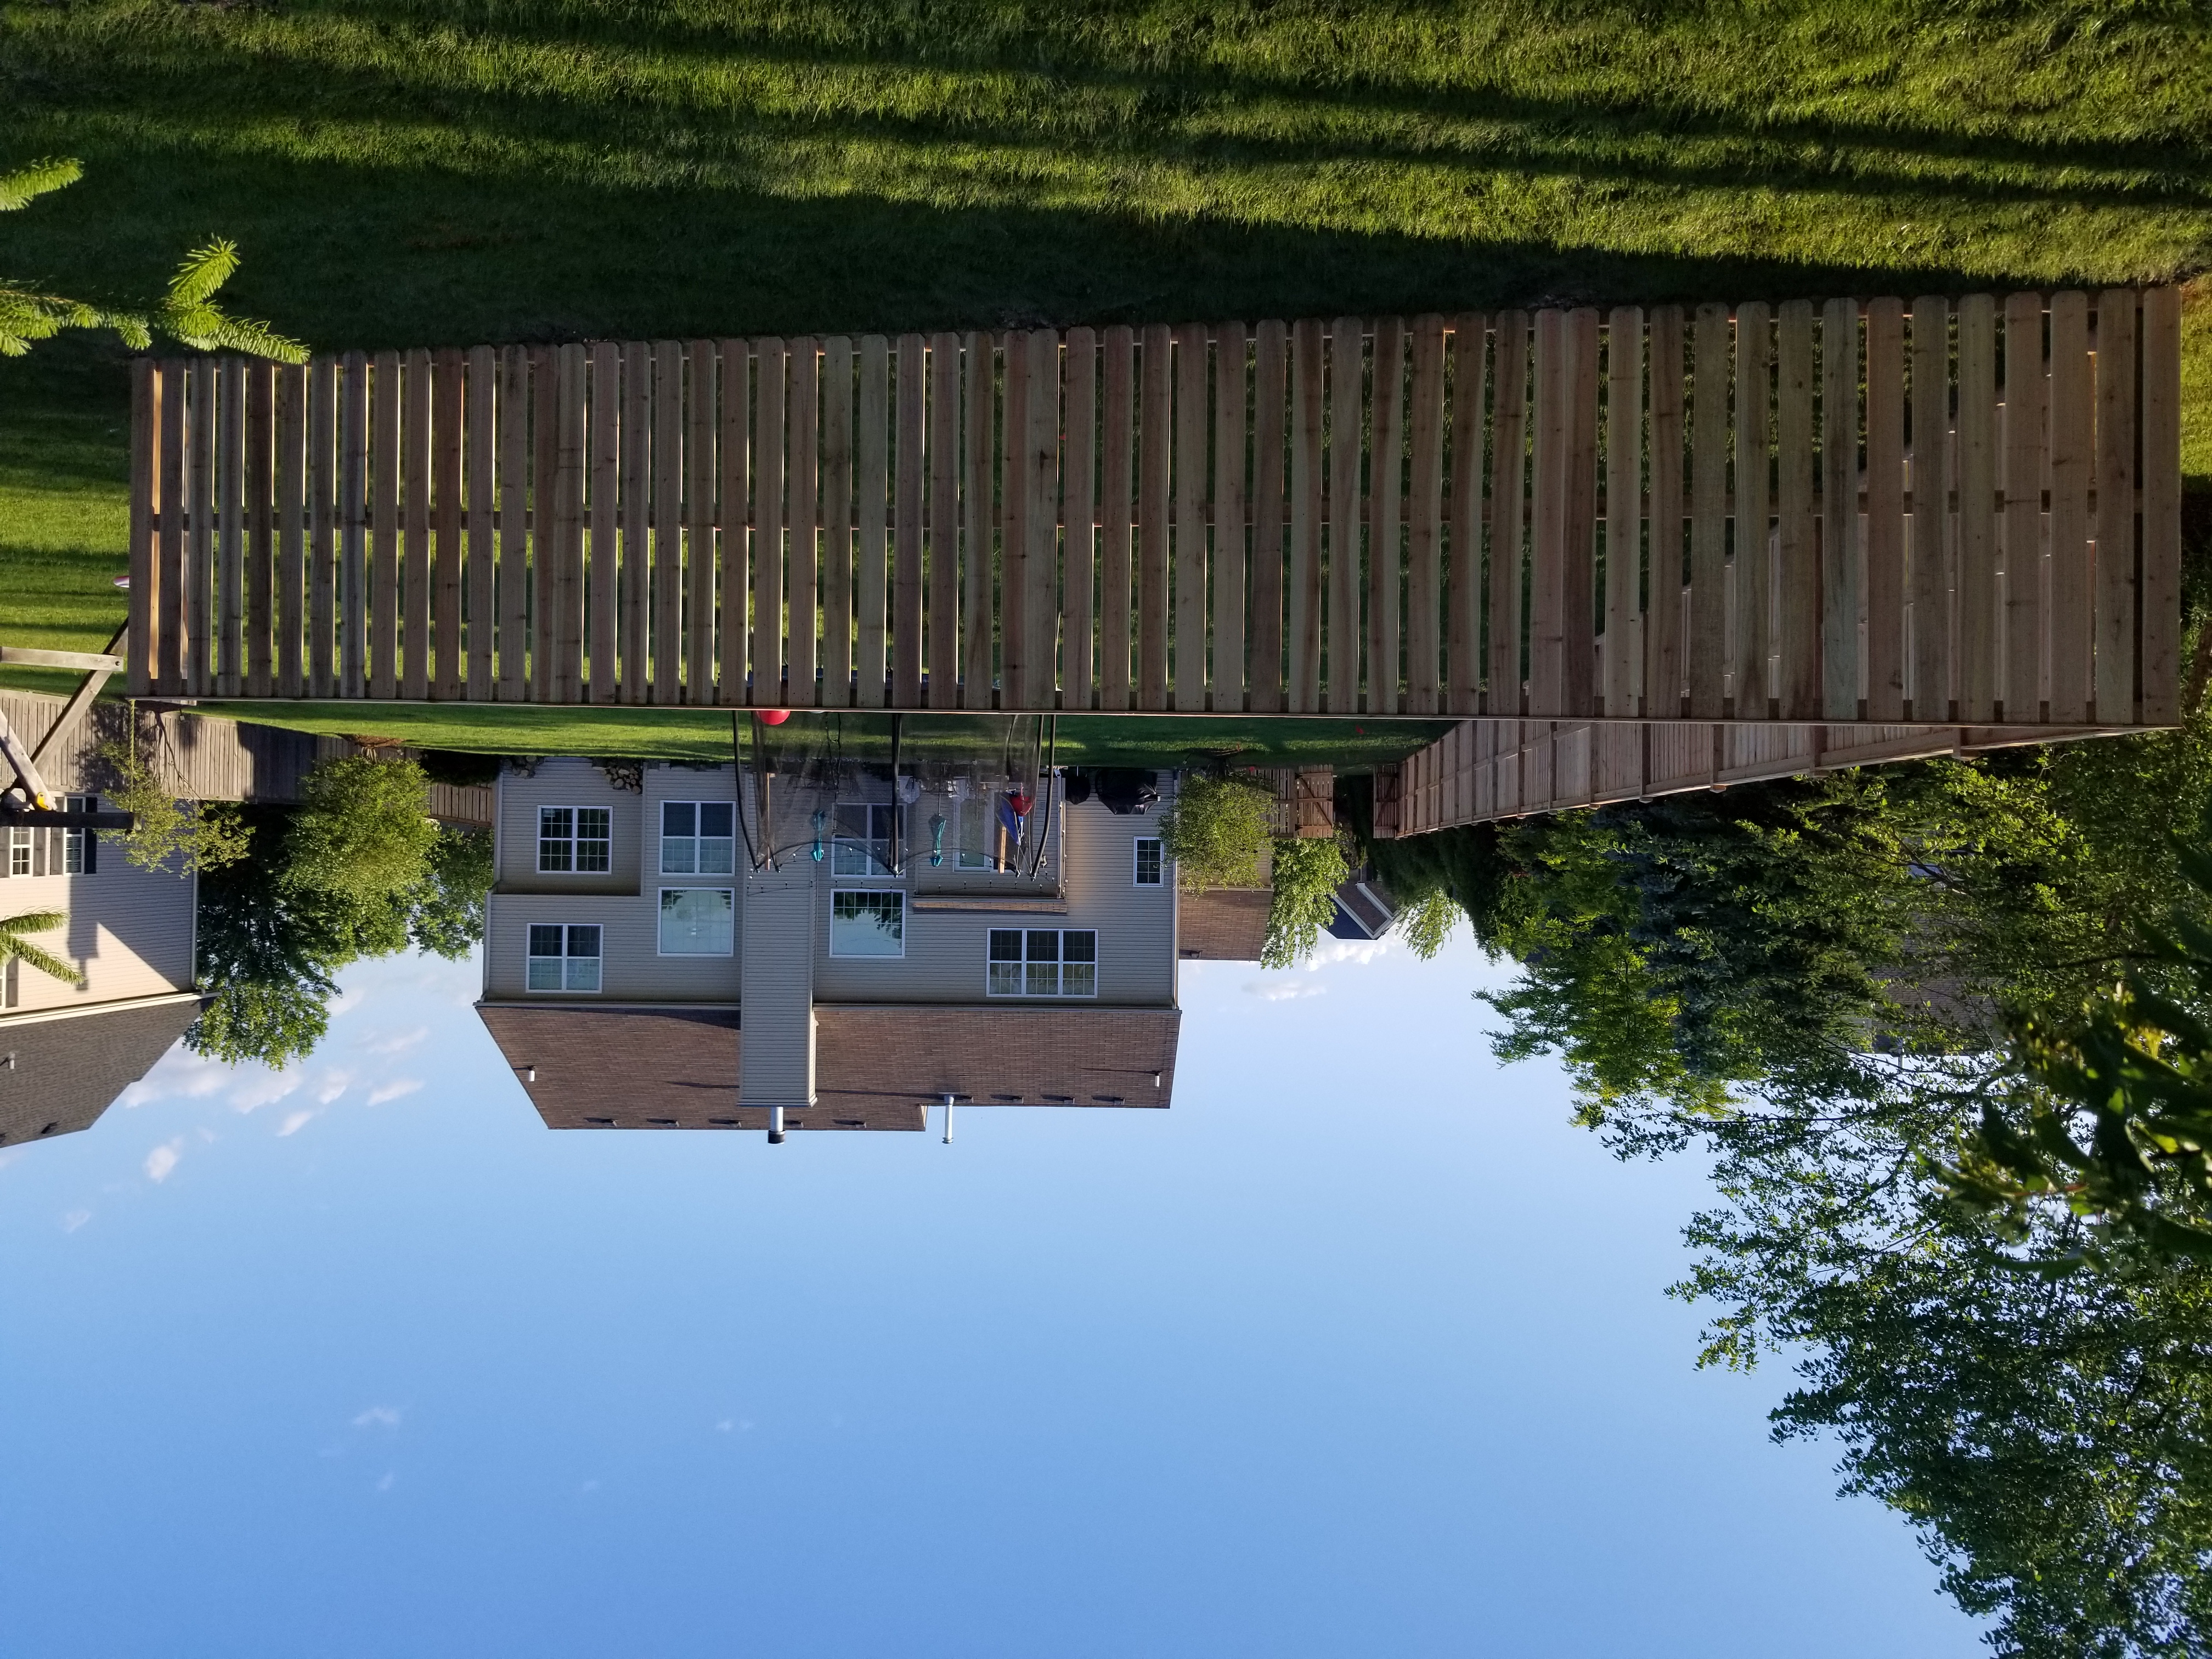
<point x="1941" y="513"/>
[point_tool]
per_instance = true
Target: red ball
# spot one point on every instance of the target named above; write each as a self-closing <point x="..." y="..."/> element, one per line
<point x="774" y="716"/>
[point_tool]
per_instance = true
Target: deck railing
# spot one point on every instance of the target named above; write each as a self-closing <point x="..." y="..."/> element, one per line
<point x="1934" y="513"/>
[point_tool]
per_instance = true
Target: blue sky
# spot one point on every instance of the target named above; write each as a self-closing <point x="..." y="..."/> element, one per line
<point x="1360" y="1349"/>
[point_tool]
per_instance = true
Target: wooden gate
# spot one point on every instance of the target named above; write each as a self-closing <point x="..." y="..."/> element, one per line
<point x="1944" y="512"/>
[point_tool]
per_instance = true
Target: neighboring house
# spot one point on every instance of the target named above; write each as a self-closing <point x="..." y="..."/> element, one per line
<point x="639" y="973"/>
<point x="67" y="1051"/>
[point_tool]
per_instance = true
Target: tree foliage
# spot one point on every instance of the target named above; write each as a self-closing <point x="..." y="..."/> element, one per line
<point x="1218" y="830"/>
<point x="363" y="832"/>
<point x="15" y="944"/>
<point x="1858" y="996"/>
<point x="270" y="947"/>
<point x="198" y="836"/>
<point x="1307" y="872"/>
<point x="186" y="312"/>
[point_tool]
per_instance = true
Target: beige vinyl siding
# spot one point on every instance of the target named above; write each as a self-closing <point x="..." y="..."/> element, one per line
<point x="665" y="783"/>
<point x="776" y="1060"/>
<point x="565" y="782"/>
<point x="130" y="931"/>
<point x="946" y="950"/>
<point x="631" y="967"/>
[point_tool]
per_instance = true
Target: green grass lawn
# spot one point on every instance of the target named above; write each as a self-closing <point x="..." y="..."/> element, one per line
<point x="706" y="734"/>
<point x="421" y="172"/>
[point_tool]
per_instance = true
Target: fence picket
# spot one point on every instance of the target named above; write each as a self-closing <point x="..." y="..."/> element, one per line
<point x="1463" y="665"/>
<point x="1341" y="634"/>
<point x="2073" y="464"/>
<point x="870" y="510"/>
<point x="1664" y="664"/>
<point x="1155" y="452"/>
<point x="2116" y="506"/>
<point x="1752" y="559"/>
<point x="1307" y="482"/>
<point x="943" y="622"/>
<point x="1930" y="683"/>
<point x="1190" y="495"/>
<point x="1424" y="517"/>
<point x="802" y="372"/>
<point x="1883" y="542"/>
<point x="1796" y="565"/>
<point x="603" y="443"/>
<point x="1270" y="390"/>
<point x="979" y="518"/>
<point x="908" y="525"/>
<point x="1079" y="480"/>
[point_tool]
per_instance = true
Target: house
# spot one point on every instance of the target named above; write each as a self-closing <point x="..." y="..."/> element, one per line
<point x="684" y="947"/>
<point x="67" y="1051"/>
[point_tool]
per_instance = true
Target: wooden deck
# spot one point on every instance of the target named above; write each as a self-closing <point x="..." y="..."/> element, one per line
<point x="1934" y="513"/>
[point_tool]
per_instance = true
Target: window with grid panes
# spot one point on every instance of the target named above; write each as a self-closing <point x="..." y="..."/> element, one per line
<point x="563" y="957"/>
<point x="574" y="840"/>
<point x="1044" y="961"/>
<point x="863" y="845"/>
<point x="1148" y="861"/>
<point x="79" y="857"/>
<point x="697" y="921"/>
<point x="698" y="837"/>
<point x="871" y="923"/>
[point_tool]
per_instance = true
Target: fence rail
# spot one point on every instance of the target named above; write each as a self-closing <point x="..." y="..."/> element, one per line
<point x="1938" y="512"/>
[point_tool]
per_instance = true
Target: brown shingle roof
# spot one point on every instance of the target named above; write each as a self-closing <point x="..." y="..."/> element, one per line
<point x="877" y="1068"/>
<point x="1222" y="924"/>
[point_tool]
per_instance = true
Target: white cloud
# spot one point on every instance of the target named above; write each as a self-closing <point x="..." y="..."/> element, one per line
<point x="385" y="1485"/>
<point x="163" y="1159"/>
<point x="1358" y="952"/>
<point x="1283" y="990"/>
<point x="725" y="1426"/>
<point x="398" y="1043"/>
<point x="334" y="1084"/>
<point x="74" y="1219"/>
<point x="263" y="1089"/>
<point x="393" y="1091"/>
<point x="383" y="1416"/>
<point x="294" y="1122"/>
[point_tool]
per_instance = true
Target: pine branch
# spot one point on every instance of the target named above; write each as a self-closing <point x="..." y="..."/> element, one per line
<point x="17" y="189"/>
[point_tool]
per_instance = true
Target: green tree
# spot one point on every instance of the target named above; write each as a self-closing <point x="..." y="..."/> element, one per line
<point x="15" y="945"/>
<point x="187" y="313"/>
<point x="1307" y="872"/>
<point x="1217" y="832"/>
<point x="198" y="836"/>
<point x="271" y="948"/>
<point x="445" y="913"/>
<point x="363" y="832"/>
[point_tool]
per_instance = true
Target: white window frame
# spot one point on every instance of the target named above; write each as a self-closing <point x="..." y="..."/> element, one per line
<point x="573" y="841"/>
<point x="18" y="851"/>
<point x="1060" y="964"/>
<point x="569" y="929"/>
<point x="699" y="842"/>
<point x="838" y="842"/>
<point x="1137" y="862"/>
<point x="78" y="856"/>
<point x="895" y="895"/>
<point x="659" y="904"/>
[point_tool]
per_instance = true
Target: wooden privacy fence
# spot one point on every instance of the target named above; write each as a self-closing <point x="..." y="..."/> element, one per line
<point x="1944" y="512"/>
<point x="1485" y="770"/>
